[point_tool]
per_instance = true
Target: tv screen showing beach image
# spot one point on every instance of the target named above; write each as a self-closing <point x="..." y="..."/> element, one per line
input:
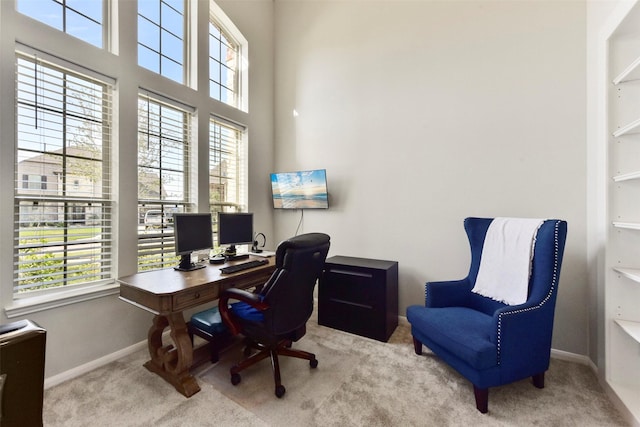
<point x="300" y="190"/>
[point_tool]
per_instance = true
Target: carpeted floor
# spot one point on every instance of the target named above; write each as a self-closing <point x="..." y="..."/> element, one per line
<point x="358" y="382"/>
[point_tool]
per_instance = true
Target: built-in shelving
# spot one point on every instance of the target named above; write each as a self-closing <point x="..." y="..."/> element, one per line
<point x="627" y="176"/>
<point x="629" y="273"/>
<point x="627" y="225"/>
<point x="622" y="284"/>
<point x="632" y="127"/>
<point x="632" y="72"/>
<point x="631" y="328"/>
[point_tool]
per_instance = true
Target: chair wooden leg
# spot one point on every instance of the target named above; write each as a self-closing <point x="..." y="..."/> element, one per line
<point x="538" y="380"/>
<point x="417" y="346"/>
<point x="482" y="399"/>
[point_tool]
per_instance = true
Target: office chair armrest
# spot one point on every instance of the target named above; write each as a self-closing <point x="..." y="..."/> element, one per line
<point x="239" y="295"/>
<point x="446" y="293"/>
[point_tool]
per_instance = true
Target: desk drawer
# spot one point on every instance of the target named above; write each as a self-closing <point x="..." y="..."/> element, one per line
<point x="195" y="297"/>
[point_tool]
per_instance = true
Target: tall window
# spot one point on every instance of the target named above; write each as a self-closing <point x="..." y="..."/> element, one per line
<point x="227" y="168"/>
<point x="223" y="66"/>
<point x="161" y="37"/>
<point x="164" y="178"/>
<point x="79" y="18"/>
<point x="62" y="202"/>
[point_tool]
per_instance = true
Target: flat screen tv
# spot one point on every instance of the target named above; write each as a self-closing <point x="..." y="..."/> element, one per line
<point x="300" y="190"/>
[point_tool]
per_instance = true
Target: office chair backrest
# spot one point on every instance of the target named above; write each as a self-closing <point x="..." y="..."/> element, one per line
<point x="289" y="293"/>
<point x="548" y="250"/>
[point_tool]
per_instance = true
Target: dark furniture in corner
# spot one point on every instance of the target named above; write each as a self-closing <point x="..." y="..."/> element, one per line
<point x="488" y="342"/>
<point x="360" y="296"/>
<point x="276" y="316"/>
<point x="22" y="355"/>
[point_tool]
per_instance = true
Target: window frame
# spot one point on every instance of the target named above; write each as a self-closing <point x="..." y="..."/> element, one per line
<point x="158" y="241"/>
<point x="226" y="27"/>
<point x="160" y="53"/>
<point x="218" y="150"/>
<point x="67" y="112"/>
<point x="104" y="22"/>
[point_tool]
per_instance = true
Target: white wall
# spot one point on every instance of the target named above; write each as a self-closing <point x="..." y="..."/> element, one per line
<point x="424" y="113"/>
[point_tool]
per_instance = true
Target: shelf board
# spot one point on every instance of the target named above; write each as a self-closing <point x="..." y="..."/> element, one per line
<point x="629" y="396"/>
<point x="632" y="72"/>
<point x="631" y="328"/>
<point x="627" y="176"/>
<point x="630" y="273"/>
<point x="630" y="128"/>
<point x="627" y="225"/>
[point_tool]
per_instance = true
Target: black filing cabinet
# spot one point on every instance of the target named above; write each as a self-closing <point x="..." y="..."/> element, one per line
<point x="360" y="296"/>
<point x="22" y="351"/>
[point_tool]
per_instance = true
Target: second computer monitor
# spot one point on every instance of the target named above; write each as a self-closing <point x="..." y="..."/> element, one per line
<point x="235" y="229"/>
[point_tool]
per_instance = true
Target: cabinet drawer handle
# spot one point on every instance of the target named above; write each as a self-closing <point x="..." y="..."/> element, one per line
<point x="350" y="273"/>
<point x="197" y="295"/>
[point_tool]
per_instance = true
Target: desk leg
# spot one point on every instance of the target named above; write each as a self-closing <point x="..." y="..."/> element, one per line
<point x="172" y="363"/>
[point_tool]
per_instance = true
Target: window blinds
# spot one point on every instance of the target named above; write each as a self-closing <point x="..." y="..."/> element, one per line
<point x="62" y="202"/>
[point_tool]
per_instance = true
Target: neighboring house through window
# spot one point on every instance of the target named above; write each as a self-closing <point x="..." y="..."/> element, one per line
<point x="63" y="231"/>
<point x="164" y="177"/>
<point x="227" y="168"/>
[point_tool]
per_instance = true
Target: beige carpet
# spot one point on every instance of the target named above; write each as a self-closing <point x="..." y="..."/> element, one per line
<point x="358" y="382"/>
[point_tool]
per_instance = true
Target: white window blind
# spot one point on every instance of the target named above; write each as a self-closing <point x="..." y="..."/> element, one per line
<point x="164" y="178"/>
<point x="62" y="202"/>
<point x="227" y="168"/>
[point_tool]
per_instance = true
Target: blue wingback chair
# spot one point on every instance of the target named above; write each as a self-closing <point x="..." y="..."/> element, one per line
<point x="488" y="342"/>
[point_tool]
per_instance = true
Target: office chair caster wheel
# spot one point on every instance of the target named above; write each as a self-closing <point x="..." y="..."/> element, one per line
<point x="313" y="363"/>
<point x="235" y="379"/>
<point x="280" y="390"/>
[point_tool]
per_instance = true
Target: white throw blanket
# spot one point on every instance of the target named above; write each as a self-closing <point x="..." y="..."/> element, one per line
<point x="505" y="264"/>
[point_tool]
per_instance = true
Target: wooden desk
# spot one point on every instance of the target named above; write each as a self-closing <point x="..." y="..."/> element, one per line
<point x="167" y="293"/>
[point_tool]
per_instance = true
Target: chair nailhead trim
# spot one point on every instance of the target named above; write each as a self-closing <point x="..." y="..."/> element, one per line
<point x="543" y="302"/>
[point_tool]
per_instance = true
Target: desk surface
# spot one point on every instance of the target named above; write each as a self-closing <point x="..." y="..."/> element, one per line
<point x="169" y="291"/>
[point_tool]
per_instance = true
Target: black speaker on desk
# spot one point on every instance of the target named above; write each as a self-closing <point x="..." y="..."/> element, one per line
<point x="22" y="351"/>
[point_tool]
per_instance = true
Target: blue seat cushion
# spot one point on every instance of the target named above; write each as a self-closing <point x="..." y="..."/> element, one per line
<point x="247" y="312"/>
<point x="463" y="331"/>
<point x="209" y="321"/>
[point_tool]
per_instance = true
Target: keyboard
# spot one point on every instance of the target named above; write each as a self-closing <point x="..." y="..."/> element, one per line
<point x="243" y="266"/>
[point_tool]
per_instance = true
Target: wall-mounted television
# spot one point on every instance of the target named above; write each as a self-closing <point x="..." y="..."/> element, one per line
<point x="300" y="190"/>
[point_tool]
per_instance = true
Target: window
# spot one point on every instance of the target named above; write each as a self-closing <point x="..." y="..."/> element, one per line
<point x="63" y="233"/>
<point x="223" y="66"/>
<point x="227" y="168"/>
<point x="79" y="18"/>
<point x="164" y="178"/>
<point x="161" y="37"/>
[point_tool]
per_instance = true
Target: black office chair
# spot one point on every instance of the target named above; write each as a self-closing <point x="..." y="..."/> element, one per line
<point x="277" y="315"/>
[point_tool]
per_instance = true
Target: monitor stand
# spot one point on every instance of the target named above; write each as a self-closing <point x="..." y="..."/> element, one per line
<point x="230" y="251"/>
<point x="186" y="264"/>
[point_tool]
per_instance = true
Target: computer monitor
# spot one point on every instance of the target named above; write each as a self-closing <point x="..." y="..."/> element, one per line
<point x="193" y="232"/>
<point x="234" y="229"/>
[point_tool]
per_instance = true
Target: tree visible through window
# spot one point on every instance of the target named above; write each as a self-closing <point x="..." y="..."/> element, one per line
<point x="164" y="168"/>
<point x="227" y="168"/>
<point x="63" y="230"/>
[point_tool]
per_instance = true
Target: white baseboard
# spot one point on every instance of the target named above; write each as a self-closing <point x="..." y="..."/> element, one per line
<point x="573" y="357"/>
<point x="94" y="364"/>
